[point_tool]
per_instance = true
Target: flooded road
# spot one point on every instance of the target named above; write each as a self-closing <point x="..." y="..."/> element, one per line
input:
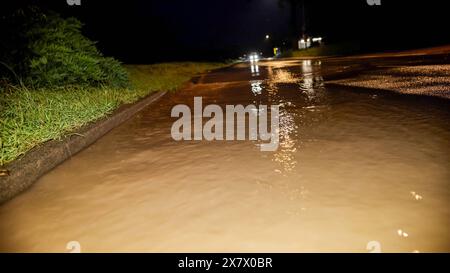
<point x="353" y="168"/>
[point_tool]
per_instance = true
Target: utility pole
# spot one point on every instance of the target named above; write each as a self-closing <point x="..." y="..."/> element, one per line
<point x="303" y="20"/>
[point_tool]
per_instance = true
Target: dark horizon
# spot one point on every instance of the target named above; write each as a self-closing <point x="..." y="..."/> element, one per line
<point x="139" y="31"/>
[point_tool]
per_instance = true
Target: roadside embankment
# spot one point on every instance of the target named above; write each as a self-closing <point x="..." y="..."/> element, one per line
<point x="42" y="128"/>
<point x="430" y="80"/>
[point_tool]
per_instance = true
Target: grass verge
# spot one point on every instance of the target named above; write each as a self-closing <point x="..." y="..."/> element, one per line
<point x="31" y="117"/>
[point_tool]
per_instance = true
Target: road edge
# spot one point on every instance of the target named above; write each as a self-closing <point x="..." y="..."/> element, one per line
<point x="26" y="170"/>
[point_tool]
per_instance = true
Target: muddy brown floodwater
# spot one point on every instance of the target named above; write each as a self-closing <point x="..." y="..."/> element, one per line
<point x="355" y="168"/>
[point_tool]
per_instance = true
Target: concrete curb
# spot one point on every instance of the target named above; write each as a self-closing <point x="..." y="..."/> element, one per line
<point x="24" y="171"/>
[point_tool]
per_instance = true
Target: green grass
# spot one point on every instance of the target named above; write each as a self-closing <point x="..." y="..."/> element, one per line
<point x="347" y="48"/>
<point x="31" y="117"/>
<point x="166" y="76"/>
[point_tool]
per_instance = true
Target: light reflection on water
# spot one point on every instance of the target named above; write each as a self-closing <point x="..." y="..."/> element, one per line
<point x="254" y="67"/>
<point x="351" y="172"/>
<point x="312" y="82"/>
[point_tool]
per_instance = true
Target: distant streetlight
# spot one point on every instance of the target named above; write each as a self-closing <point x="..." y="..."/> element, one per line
<point x="267" y="36"/>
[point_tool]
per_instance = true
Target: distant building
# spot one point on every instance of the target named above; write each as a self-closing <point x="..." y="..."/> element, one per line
<point x="305" y="43"/>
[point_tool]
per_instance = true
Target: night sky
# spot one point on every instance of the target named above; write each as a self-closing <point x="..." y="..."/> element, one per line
<point x="144" y="31"/>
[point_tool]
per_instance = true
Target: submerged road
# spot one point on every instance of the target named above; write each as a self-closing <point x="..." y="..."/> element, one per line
<point x="355" y="168"/>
